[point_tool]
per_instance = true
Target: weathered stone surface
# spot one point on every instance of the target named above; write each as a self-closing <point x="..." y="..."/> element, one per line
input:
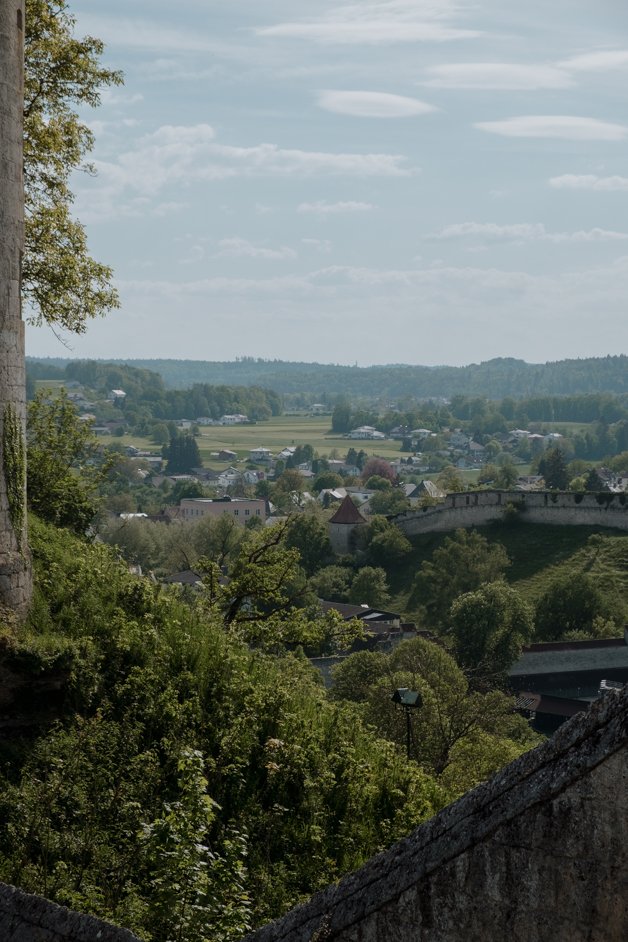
<point x="26" y="918"/>
<point x="538" y="853"/>
<point x="15" y="581"/>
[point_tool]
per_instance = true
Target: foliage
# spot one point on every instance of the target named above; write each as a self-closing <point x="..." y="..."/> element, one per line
<point x="62" y="284"/>
<point x="331" y="583"/>
<point x="553" y="468"/>
<point x="379" y="468"/>
<point x="190" y="785"/>
<point x="369" y="587"/>
<point x="307" y="533"/>
<point x="386" y="543"/>
<point x="14" y="467"/>
<point x="572" y="605"/>
<point x="182" y="454"/>
<point x="452" y="722"/>
<point x="450" y="481"/>
<point x="64" y="465"/>
<point x="489" y="628"/>
<point x="462" y="563"/>
<point x="391" y="501"/>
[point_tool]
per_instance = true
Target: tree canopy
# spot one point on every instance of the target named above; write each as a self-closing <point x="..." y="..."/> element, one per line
<point x="62" y="283"/>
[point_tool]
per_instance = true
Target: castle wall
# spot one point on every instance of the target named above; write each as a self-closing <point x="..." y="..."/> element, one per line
<point x="537" y="854"/>
<point x="479" y="508"/>
<point x="27" y="918"/>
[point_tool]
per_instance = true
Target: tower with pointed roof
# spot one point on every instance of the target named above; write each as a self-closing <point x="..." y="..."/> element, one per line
<point x="343" y="525"/>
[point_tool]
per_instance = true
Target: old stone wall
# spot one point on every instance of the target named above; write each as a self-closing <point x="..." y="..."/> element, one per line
<point x="537" y="854"/>
<point x="15" y="581"/>
<point x="26" y="918"/>
<point x="479" y="508"/>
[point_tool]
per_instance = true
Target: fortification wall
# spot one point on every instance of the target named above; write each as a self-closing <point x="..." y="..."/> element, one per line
<point x="537" y="854"/>
<point x="479" y="508"/>
<point x="27" y="918"/>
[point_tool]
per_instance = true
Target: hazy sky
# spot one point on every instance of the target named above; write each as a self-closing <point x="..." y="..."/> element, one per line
<point x="379" y="181"/>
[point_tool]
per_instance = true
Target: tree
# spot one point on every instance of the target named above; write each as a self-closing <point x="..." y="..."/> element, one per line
<point x="489" y="628"/>
<point x="63" y="285"/>
<point x="386" y="543"/>
<point x="553" y="468"/>
<point x="450" y="480"/>
<point x="379" y="467"/>
<point x="331" y="583"/>
<point x="182" y="454"/>
<point x="44" y="71"/>
<point x="308" y="534"/>
<point x="461" y="564"/>
<point x="15" y="569"/>
<point x="391" y="501"/>
<point x="571" y="605"/>
<point x="65" y="467"/>
<point x="369" y="587"/>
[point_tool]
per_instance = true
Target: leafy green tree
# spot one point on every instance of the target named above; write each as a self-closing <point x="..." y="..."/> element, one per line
<point x="369" y="587"/>
<point x="327" y="479"/>
<point x="331" y="583"/>
<point x="386" y="543"/>
<point x="377" y="483"/>
<point x="341" y="418"/>
<point x="61" y="282"/>
<point x="65" y="467"/>
<point x="507" y="474"/>
<point x="593" y="482"/>
<point x="553" y="468"/>
<point x="489" y="628"/>
<point x="389" y="502"/>
<point x="307" y="533"/>
<point x="462" y="563"/>
<point x="450" y="480"/>
<point x="460" y="735"/>
<point x="571" y="604"/>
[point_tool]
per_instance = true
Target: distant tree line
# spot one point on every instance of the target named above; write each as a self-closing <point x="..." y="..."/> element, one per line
<point x="494" y="379"/>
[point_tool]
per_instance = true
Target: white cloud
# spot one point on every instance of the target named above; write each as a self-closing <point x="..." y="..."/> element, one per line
<point x="525" y="232"/>
<point x="324" y="246"/>
<point x="589" y="181"/>
<point x="236" y="247"/>
<point x="498" y="76"/>
<point x="323" y="208"/>
<point x="600" y="61"/>
<point x="187" y="155"/>
<point x="379" y="22"/>
<point x="566" y="127"/>
<point x="363" y="104"/>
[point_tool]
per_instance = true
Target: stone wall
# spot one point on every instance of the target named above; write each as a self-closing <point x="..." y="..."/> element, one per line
<point x="479" y="508"/>
<point x="537" y="854"/>
<point x="26" y="918"/>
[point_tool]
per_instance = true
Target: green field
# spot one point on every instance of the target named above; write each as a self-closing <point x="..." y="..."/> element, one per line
<point x="276" y="434"/>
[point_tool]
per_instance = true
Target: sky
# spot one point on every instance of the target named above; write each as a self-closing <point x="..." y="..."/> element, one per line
<point x="381" y="181"/>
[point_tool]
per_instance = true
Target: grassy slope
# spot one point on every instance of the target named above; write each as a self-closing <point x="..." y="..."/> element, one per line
<point x="538" y="553"/>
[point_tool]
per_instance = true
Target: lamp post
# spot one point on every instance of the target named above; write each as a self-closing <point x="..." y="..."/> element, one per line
<point x="408" y="700"/>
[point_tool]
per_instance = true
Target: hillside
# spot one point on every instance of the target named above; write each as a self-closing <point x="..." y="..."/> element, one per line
<point x="493" y="378"/>
<point x="538" y="554"/>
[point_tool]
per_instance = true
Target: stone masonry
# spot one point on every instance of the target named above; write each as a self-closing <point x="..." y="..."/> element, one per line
<point x="26" y="918"/>
<point x="15" y="580"/>
<point x="537" y="854"/>
<point x="479" y="508"/>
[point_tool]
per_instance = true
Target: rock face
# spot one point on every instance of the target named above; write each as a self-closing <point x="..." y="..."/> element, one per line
<point x="539" y="853"/>
<point x="26" y="918"/>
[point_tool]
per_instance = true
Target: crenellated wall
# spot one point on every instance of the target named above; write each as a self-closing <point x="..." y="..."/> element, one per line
<point x="479" y="508"/>
<point x="537" y="854"/>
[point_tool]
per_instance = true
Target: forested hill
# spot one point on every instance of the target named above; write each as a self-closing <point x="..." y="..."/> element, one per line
<point x="494" y="378"/>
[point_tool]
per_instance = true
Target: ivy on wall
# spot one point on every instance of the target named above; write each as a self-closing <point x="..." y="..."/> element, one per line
<point x="14" y="465"/>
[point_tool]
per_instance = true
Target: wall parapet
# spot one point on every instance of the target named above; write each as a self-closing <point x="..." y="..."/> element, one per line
<point x="547" y="833"/>
<point x="28" y="918"/>
<point x="480" y="508"/>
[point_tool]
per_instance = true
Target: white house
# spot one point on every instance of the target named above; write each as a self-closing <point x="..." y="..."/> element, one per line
<point x="236" y="419"/>
<point x="366" y="432"/>
<point x="260" y="455"/>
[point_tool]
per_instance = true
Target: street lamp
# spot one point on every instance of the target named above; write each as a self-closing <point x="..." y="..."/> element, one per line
<point x="408" y="700"/>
